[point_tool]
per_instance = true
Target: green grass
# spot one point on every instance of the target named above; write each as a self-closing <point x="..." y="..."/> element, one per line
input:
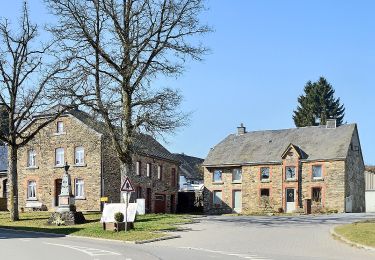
<point x="360" y="232"/>
<point x="145" y="226"/>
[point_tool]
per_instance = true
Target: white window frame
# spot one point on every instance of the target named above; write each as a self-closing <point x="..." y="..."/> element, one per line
<point x="221" y="176"/>
<point x="295" y="173"/>
<point x="31" y="158"/>
<point x="239" y="171"/>
<point x="160" y="172"/>
<point x="60" y="127"/>
<point x="148" y="169"/>
<point x="79" y="155"/>
<point x="321" y="172"/>
<point x="217" y="201"/>
<point x="79" y="188"/>
<point x="138" y="168"/>
<point x="59" y="156"/>
<point x="31" y="190"/>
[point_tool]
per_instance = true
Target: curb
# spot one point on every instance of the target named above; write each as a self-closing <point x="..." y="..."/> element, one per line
<point x="347" y="241"/>
<point x="96" y="238"/>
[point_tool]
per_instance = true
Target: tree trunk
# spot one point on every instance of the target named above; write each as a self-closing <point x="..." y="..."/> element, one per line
<point x="13" y="185"/>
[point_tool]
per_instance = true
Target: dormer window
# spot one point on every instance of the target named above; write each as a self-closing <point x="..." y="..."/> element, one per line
<point x="290" y="172"/>
<point x="60" y="127"/>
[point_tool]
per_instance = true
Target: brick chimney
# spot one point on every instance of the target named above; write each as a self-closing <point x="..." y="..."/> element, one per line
<point x="241" y="129"/>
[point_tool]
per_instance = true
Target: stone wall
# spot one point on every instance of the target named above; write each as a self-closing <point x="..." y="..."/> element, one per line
<point x="355" y="179"/>
<point x="46" y="173"/>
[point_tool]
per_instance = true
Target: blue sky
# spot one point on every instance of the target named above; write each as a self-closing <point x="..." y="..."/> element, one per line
<point x="262" y="54"/>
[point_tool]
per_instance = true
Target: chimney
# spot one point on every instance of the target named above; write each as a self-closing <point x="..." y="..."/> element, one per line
<point x="331" y="123"/>
<point x="241" y="129"/>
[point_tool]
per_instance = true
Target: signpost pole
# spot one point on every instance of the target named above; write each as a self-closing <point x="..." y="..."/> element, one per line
<point x="126" y="211"/>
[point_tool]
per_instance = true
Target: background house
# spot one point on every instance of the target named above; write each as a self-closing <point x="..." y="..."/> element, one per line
<point x="81" y="141"/>
<point x="277" y="170"/>
<point x="370" y="188"/>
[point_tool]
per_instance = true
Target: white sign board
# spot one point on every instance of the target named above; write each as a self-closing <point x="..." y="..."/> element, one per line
<point x="109" y="211"/>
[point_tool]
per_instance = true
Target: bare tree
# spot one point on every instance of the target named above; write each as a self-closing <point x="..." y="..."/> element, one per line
<point x="25" y="80"/>
<point x="120" y="48"/>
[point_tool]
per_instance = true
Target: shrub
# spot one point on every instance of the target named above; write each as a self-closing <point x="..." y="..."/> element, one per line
<point x="119" y="217"/>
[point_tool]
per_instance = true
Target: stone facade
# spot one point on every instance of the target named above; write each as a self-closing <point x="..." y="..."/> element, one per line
<point x="340" y="180"/>
<point x="100" y="170"/>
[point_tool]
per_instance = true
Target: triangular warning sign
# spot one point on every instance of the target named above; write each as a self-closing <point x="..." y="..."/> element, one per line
<point x="127" y="186"/>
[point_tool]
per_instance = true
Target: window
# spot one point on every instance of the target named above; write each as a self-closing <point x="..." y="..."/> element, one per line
<point x="31" y="190"/>
<point x="31" y="158"/>
<point x="290" y="173"/>
<point x="60" y="127"/>
<point x="138" y="168"/>
<point x="264" y="192"/>
<point x="79" y="156"/>
<point x="138" y="192"/>
<point x="317" y="172"/>
<point x="218" y="176"/>
<point x="80" y="188"/>
<point x="160" y="172"/>
<point x="316" y="195"/>
<point x="174" y="183"/>
<point x="148" y="170"/>
<point x="264" y="173"/>
<point x="59" y="157"/>
<point x="237" y="175"/>
<point x="217" y="198"/>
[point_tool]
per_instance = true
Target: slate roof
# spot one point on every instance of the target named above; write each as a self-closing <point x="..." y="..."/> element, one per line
<point x="317" y="143"/>
<point x="3" y="159"/>
<point x="144" y="144"/>
<point x="189" y="166"/>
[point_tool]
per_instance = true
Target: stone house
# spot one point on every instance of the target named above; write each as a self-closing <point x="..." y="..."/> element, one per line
<point x="278" y="170"/>
<point x="82" y="142"/>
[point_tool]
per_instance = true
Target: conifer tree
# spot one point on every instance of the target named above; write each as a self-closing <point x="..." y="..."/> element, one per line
<point x="318" y="104"/>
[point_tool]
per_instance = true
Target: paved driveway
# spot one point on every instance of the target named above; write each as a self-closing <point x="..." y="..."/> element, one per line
<point x="303" y="237"/>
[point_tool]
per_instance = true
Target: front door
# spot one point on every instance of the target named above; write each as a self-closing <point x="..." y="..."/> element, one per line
<point x="160" y="203"/>
<point x="148" y="200"/>
<point x="290" y="200"/>
<point x="58" y="183"/>
<point x="237" y="201"/>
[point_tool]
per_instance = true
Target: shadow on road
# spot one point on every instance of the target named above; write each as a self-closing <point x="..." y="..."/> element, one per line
<point x="7" y="232"/>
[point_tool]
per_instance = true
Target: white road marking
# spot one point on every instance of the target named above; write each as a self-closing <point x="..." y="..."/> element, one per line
<point x="86" y="250"/>
<point x="245" y="256"/>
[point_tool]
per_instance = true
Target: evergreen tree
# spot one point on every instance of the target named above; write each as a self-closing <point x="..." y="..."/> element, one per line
<point x="318" y="104"/>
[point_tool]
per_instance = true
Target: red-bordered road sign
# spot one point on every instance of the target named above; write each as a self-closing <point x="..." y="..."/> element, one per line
<point x="127" y="186"/>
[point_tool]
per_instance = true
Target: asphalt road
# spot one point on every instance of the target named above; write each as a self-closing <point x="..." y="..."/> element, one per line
<point x="214" y="237"/>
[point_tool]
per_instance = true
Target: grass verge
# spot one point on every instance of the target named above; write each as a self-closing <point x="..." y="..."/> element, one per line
<point x="360" y="232"/>
<point x="145" y="226"/>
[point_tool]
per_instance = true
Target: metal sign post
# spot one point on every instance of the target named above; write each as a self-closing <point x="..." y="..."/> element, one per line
<point x="127" y="187"/>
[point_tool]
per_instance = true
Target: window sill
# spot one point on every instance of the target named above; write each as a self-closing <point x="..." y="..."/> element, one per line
<point x="32" y="167"/>
<point x="236" y="182"/>
<point x="79" y="198"/>
<point x="218" y="183"/>
<point x="291" y="180"/>
<point x="57" y="134"/>
<point x="31" y="199"/>
<point x="265" y="181"/>
<point x="318" y="179"/>
<point x="58" y="166"/>
<point x="80" y="165"/>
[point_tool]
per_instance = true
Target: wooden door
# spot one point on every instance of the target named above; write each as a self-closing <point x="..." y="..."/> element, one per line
<point x="58" y="183"/>
<point x="148" y="200"/>
<point x="160" y="203"/>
